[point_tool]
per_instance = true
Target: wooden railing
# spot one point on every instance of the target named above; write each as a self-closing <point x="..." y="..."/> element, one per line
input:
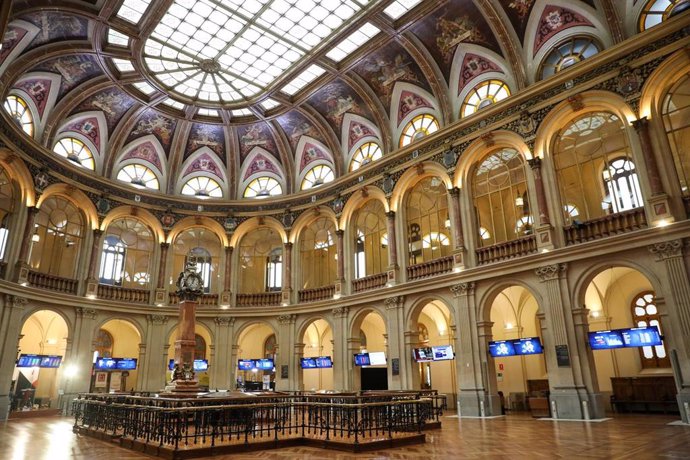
<point x="52" y="282"/>
<point x="507" y="250"/>
<point x="431" y="268"/>
<point x="123" y="294"/>
<point x="319" y="293"/>
<point x="369" y="282"/>
<point x="260" y="299"/>
<point x="613" y="224"/>
<point x="206" y="300"/>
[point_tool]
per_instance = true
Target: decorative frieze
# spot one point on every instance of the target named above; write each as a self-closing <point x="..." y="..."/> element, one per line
<point x="340" y="312"/>
<point x="16" y="301"/>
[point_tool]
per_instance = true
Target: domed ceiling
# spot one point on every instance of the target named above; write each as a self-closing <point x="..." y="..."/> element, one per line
<point x="233" y="90"/>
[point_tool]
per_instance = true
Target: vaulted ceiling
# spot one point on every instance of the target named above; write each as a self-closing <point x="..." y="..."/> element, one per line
<point x="82" y="67"/>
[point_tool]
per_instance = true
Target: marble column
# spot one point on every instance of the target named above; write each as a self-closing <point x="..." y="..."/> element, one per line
<point x="642" y="128"/>
<point x="287" y="274"/>
<point x="456" y="228"/>
<point x="76" y="368"/>
<point x="226" y="295"/>
<point x="161" y="292"/>
<point x="354" y="373"/>
<point x="535" y="164"/>
<point x="395" y="325"/>
<point x="223" y="364"/>
<point x="393" y="265"/>
<point x="22" y="265"/>
<point x="11" y="315"/>
<point x="676" y="330"/>
<point x="298" y="353"/>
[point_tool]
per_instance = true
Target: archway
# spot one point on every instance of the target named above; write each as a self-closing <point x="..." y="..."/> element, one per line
<point x="38" y="372"/>
<point x="368" y="337"/>
<point x="619" y="298"/>
<point x="202" y="354"/>
<point x="522" y="380"/>
<point x="256" y="351"/>
<point x="115" y="339"/>
<point x="318" y="343"/>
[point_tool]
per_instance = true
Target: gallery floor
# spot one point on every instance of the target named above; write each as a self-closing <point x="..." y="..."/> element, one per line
<point x="638" y="437"/>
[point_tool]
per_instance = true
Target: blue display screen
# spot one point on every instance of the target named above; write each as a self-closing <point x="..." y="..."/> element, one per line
<point x="126" y="364"/>
<point x="245" y="364"/>
<point x="641" y="336"/>
<point x="105" y="364"/>
<point x="324" y="362"/>
<point x="606" y="340"/>
<point x="264" y="364"/>
<point x="362" y="359"/>
<point x="200" y="365"/>
<point x="501" y="348"/>
<point x="308" y="363"/>
<point x="528" y="346"/>
<point x="423" y="355"/>
<point x="51" y="361"/>
<point x="111" y="364"/>
<point x="443" y="352"/>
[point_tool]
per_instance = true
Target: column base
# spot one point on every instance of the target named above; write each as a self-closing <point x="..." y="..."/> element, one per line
<point x="286" y="297"/>
<point x="476" y="403"/>
<point x="225" y="299"/>
<point x="459" y="259"/>
<point x="576" y="404"/>
<point x="683" y="399"/>
<point x="659" y="209"/>
<point x="181" y="388"/>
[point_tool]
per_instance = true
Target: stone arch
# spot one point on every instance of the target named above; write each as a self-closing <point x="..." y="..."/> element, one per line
<point x="303" y="325"/>
<point x="246" y="327"/>
<point x="160" y="169"/>
<point x="356" y="322"/>
<point x="414" y="175"/>
<point x="486" y="300"/>
<point x="351" y="141"/>
<point x="188" y="173"/>
<point x="77" y="198"/>
<point x="35" y="309"/>
<point x="308" y="217"/>
<point x="142" y="215"/>
<point x="415" y="310"/>
<point x="255" y="222"/>
<point x="134" y="322"/>
<point x="246" y="176"/>
<point x="98" y="150"/>
<point x="198" y="221"/>
<point x="357" y="200"/>
<point x="398" y="120"/>
<point x="662" y="78"/>
<point x="19" y="173"/>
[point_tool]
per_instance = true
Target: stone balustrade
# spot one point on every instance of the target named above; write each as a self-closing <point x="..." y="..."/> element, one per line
<point x="319" y="293"/>
<point x="259" y="299"/>
<point x="205" y="300"/>
<point x="507" y="250"/>
<point x="369" y="282"/>
<point x="430" y="268"/>
<point x="123" y="294"/>
<point x="52" y="282"/>
<point x="613" y="224"/>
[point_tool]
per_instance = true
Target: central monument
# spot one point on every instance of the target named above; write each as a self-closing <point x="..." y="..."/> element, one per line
<point x="189" y="288"/>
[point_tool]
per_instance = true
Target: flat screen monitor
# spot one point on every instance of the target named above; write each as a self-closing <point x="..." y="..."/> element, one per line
<point x="245" y="364"/>
<point x="324" y="362"/>
<point x="200" y="365"/>
<point x="377" y="358"/>
<point x="443" y="352"/>
<point x="126" y="364"/>
<point x="51" y="361"/>
<point x="606" y="340"/>
<point x="641" y="336"/>
<point x="423" y="355"/>
<point x="30" y="360"/>
<point x="308" y="363"/>
<point x="105" y="364"/>
<point x="528" y="346"/>
<point x="264" y="364"/>
<point x="501" y="348"/>
<point x="362" y="359"/>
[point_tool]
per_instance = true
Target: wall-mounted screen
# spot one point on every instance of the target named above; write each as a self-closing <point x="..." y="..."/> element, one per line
<point x="443" y="352"/>
<point x="308" y="363"/>
<point x="606" y="340"/>
<point x="245" y="364"/>
<point x="501" y="348"/>
<point x="423" y="355"/>
<point x="362" y="359"/>
<point x="641" y="336"/>
<point x="126" y="364"/>
<point x="323" y="362"/>
<point x="52" y="361"/>
<point x="264" y="364"/>
<point x="106" y="364"/>
<point x="528" y="346"/>
<point x="111" y="364"/>
<point x="200" y="365"/>
<point x="377" y="358"/>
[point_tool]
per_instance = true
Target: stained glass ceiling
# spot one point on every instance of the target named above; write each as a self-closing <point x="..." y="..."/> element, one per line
<point x="226" y="51"/>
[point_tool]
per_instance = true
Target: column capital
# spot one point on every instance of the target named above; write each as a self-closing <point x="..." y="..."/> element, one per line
<point x="158" y="319"/>
<point x="534" y="163"/>
<point x="287" y="319"/>
<point x="224" y="321"/>
<point x="16" y="301"/>
<point x="390" y="214"/>
<point x="287" y="246"/>
<point x="667" y="249"/>
<point x="88" y="313"/>
<point x="97" y="232"/>
<point x="340" y="312"/>
<point x="550" y="272"/>
<point x="454" y="192"/>
<point x="640" y="123"/>
<point x="340" y="232"/>
<point x="462" y="289"/>
<point x="165" y="245"/>
<point x="394" y="302"/>
<point x="229" y="249"/>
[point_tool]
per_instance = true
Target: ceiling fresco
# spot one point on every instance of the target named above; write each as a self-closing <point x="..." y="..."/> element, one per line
<point x="89" y="75"/>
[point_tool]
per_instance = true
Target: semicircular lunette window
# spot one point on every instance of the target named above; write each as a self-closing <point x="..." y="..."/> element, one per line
<point x="20" y="113"/>
<point x="138" y="176"/>
<point x="657" y="11"/>
<point x="263" y="187"/>
<point x="365" y="154"/>
<point x="76" y="152"/>
<point x="568" y="53"/>
<point x="420" y="126"/>
<point x="202" y="187"/>
<point x="483" y="95"/>
<point x="318" y="175"/>
<point x="232" y="50"/>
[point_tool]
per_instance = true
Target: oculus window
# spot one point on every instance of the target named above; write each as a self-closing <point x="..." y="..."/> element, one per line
<point x="261" y="187"/>
<point x="202" y="187"/>
<point x="318" y="175"/>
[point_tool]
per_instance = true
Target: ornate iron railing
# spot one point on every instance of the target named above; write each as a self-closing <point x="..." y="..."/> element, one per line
<point x="319" y="293"/>
<point x="52" y="282"/>
<point x="613" y="224"/>
<point x="369" y="282"/>
<point x="255" y="422"/>
<point x="123" y="294"/>
<point x="431" y="268"/>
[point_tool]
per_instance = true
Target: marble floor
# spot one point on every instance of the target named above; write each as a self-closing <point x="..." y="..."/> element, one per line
<point x="638" y="437"/>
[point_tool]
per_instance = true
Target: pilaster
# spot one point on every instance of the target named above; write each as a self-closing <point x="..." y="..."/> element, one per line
<point x="287" y="339"/>
<point x="393" y="270"/>
<point x="340" y="356"/>
<point x="154" y="369"/>
<point x="10" y="327"/>
<point x="76" y="370"/>
<point x="456" y="226"/>
<point x="224" y="327"/>
<point x="395" y="325"/>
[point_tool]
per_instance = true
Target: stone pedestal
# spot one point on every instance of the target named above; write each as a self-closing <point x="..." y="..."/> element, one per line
<point x="184" y="350"/>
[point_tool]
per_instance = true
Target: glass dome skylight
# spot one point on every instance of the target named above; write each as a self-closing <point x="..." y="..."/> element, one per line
<point x="232" y="50"/>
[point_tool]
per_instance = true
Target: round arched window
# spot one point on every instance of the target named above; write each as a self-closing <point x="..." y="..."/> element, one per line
<point x="483" y="95"/>
<point x="202" y="187"/>
<point x="76" y="152"/>
<point x="139" y="176"/>
<point x="261" y="187"/>
<point x="657" y="11"/>
<point x="420" y="126"/>
<point x="20" y="113"/>
<point x="318" y="175"/>
<point x="365" y="154"/>
<point x="568" y="53"/>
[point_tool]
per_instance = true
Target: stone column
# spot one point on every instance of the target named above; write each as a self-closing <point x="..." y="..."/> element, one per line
<point x="395" y="325"/>
<point x="140" y="360"/>
<point x="340" y="284"/>
<point x="572" y="375"/>
<point x="477" y="393"/>
<point x="226" y="295"/>
<point x="286" y="342"/>
<point x="340" y="356"/>
<point x="161" y="291"/>
<point x="354" y="373"/>
<point x="298" y="352"/>
<point x="234" y="351"/>
<point x="76" y="370"/>
<point x="393" y="265"/>
<point x="642" y="128"/>
<point x="22" y="265"/>
<point x="676" y="330"/>
<point x="411" y="338"/>
<point x="542" y="222"/>
<point x="456" y="227"/>
<point x="221" y="376"/>
<point x="10" y="328"/>
<point x="92" y="279"/>
<point x="287" y="274"/>
<point x="153" y="371"/>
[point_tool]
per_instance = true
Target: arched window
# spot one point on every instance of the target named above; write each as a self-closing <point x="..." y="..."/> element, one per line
<point x="594" y="168"/>
<point x="203" y="244"/>
<point x="370" y="239"/>
<point x="127" y="251"/>
<point x="318" y="254"/>
<point x="499" y="189"/>
<point x="676" y="116"/>
<point x="204" y="264"/>
<point x="199" y="347"/>
<point x="426" y="210"/>
<point x="112" y="261"/>
<point x="202" y="187"/>
<point x="645" y="313"/>
<point x="104" y="344"/>
<point x="261" y="187"/>
<point x="6" y="206"/>
<point x="260" y="261"/>
<point x="20" y="113"/>
<point x="274" y="270"/>
<point x="318" y="175"/>
<point x="76" y="152"/>
<point x="483" y="95"/>
<point x="270" y="347"/>
<point x="139" y="176"/>
<point x="417" y="128"/>
<point x="570" y="52"/>
<point x="57" y="238"/>
<point x="365" y="154"/>
<point x="657" y="11"/>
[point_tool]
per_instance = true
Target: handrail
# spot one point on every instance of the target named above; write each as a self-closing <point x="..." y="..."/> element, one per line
<point x="430" y="268"/>
<point x="612" y="224"/>
<point x="52" y="282"/>
<point x="366" y="283"/>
